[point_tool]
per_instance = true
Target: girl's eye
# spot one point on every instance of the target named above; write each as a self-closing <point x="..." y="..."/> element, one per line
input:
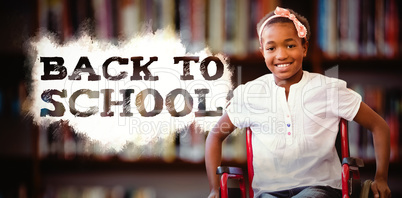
<point x="270" y="48"/>
<point x="291" y="46"/>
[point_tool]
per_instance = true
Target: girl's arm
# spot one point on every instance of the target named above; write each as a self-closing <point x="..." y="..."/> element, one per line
<point x="213" y="151"/>
<point x="370" y="120"/>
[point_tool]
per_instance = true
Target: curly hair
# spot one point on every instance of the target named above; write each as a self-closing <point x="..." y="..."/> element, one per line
<point x="301" y="18"/>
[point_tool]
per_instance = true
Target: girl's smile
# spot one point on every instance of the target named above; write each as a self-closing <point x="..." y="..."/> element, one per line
<point x="283" y="52"/>
<point x="283" y="64"/>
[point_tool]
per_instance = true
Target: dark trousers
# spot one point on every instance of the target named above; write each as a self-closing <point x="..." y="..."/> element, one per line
<point x="308" y="191"/>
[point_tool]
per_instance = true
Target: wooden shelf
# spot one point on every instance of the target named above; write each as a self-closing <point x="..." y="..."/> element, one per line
<point x="53" y="165"/>
<point x="364" y="65"/>
<point x="82" y="164"/>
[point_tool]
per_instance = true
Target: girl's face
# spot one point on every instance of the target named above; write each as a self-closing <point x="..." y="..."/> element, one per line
<point x="283" y="52"/>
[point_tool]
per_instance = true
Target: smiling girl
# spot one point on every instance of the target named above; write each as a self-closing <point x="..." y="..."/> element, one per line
<point x="296" y="155"/>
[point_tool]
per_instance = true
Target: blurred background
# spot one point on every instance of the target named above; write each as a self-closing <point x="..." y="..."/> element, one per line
<point x="358" y="41"/>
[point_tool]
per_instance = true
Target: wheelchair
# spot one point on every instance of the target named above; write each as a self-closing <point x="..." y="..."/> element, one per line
<point x="352" y="187"/>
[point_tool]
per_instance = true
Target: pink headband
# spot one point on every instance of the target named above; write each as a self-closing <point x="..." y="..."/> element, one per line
<point x="281" y="12"/>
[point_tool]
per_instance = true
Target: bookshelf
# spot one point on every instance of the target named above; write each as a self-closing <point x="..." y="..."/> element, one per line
<point x="371" y="65"/>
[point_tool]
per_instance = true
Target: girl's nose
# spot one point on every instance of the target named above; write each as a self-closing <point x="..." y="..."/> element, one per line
<point x="281" y="54"/>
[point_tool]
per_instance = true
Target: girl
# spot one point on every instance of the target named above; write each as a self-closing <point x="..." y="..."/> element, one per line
<point x="294" y="116"/>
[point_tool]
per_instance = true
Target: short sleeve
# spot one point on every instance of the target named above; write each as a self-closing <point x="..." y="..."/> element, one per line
<point x="250" y="102"/>
<point x="346" y="101"/>
<point x="236" y="108"/>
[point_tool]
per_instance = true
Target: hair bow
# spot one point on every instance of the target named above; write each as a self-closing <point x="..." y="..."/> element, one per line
<point x="281" y="12"/>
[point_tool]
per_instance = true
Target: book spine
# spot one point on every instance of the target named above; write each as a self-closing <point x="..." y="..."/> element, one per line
<point x="353" y="26"/>
<point x="331" y="28"/>
<point x="230" y="25"/>
<point x="379" y="27"/>
<point x="185" y="22"/>
<point x="242" y="19"/>
<point x="216" y="25"/>
<point x="129" y="16"/>
<point x="254" y="19"/>
<point x="392" y="24"/>
<point x="197" y="21"/>
<point x="322" y="25"/>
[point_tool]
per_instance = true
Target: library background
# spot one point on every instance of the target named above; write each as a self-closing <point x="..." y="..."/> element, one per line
<point x="360" y="39"/>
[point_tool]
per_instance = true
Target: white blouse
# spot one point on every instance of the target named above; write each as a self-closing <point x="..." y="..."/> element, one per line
<point x="294" y="139"/>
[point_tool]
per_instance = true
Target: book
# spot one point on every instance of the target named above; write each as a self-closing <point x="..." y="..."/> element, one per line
<point x="242" y="26"/>
<point x="197" y="24"/>
<point x="103" y="19"/>
<point x="230" y="26"/>
<point x="322" y="27"/>
<point x="391" y="25"/>
<point x="379" y="27"/>
<point x="216" y="25"/>
<point x="332" y="33"/>
<point x="130" y="23"/>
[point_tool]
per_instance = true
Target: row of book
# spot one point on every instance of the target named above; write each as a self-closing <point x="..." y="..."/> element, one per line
<point x="361" y="28"/>
<point x="388" y="104"/>
<point x="222" y="25"/>
<point x="61" y="141"/>
<point x="100" y="192"/>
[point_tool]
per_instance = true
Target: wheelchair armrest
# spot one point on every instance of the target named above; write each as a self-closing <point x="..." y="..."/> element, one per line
<point x="230" y="170"/>
<point x="352" y="161"/>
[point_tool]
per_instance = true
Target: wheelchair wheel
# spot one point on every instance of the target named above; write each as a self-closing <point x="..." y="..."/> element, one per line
<point x="366" y="189"/>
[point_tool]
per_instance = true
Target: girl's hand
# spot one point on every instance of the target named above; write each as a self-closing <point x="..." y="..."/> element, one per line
<point x="214" y="194"/>
<point x="380" y="189"/>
